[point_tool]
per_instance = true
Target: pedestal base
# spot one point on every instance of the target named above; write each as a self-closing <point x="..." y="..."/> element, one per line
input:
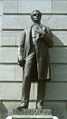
<point x="32" y="114"/>
<point x="32" y="117"/>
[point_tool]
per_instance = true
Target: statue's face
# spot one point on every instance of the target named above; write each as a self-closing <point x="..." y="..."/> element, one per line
<point x="36" y="17"/>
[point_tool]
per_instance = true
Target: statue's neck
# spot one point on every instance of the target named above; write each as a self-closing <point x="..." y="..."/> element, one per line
<point x="36" y="24"/>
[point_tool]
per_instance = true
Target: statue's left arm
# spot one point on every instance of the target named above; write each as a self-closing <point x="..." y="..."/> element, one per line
<point x="48" y="37"/>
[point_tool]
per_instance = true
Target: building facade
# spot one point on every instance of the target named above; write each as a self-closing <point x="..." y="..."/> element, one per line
<point x="14" y="17"/>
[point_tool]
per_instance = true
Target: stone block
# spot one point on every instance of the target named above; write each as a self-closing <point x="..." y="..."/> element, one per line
<point x="8" y="55"/>
<point x="59" y="72"/>
<point x="11" y="38"/>
<point x="10" y="91"/>
<point x="59" y="7"/>
<point x="10" y="72"/>
<point x="0" y="39"/>
<point x="55" y="21"/>
<point x="7" y="73"/>
<point x="58" y="54"/>
<point x="8" y="38"/>
<point x="52" y="21"/>
<point x="10" y="6"/>
<point x="1" y="8"/>
<point x="53" y="91"/>
<point x="24" y="6"/>
<point x="59" y="38"/>
<point x="14" y="38"/>
<point x="0" y="23"/>
<point x="11" y="21"/>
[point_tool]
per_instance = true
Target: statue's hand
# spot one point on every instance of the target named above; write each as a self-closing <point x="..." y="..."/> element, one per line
<point x="21" y="62"/>
<point x="41" y="33"/>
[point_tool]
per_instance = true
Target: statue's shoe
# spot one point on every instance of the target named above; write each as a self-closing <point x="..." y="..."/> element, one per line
<point x="39" y="105"/>
<point x="22" y="106"/>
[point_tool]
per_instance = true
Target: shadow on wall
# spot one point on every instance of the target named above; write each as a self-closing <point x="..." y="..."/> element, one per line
<point x="56" y="93"/>
<point x="3" y="111"/>
<point x="59" y="49"/>
<point x="58" y="58"/>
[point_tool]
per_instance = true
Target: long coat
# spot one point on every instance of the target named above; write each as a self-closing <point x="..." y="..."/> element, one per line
<point x="42" y="51"/>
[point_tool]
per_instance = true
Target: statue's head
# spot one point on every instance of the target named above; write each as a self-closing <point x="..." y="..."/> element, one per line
<point x="36" y="16"/>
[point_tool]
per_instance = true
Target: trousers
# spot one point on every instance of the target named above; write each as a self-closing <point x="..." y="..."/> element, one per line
<point x="30" y="71"/>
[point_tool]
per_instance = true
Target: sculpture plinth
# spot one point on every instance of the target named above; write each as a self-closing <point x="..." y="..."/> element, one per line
<point x="32" y="114"/>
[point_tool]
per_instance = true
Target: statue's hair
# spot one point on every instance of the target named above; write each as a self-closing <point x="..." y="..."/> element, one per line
<point x="35" y="11"/>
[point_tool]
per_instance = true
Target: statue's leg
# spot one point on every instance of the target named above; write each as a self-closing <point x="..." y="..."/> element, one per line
<point x="26" y="82"/>
<point x="26" y="88"/>
<point x="40" y="93"/>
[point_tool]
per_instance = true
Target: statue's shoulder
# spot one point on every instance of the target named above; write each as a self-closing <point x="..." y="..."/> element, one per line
<point x="45" y="28"/>
<point x="27" y="29"/>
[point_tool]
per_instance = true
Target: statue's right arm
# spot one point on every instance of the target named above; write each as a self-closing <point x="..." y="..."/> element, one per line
<point x="20" y="52"/>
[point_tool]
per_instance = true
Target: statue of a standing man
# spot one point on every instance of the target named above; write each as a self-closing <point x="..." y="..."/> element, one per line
<point x="33" y="56"/>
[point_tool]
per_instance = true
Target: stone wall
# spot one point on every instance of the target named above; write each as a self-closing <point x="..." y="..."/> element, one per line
<point x="16" y="16"/>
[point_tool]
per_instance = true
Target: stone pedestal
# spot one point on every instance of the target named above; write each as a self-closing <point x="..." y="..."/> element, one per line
<point x="3" y="111"/>
<point x="32" y="114"/>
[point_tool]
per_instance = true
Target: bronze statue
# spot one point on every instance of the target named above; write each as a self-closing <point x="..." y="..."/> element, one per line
<point x="33" y="56"/>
